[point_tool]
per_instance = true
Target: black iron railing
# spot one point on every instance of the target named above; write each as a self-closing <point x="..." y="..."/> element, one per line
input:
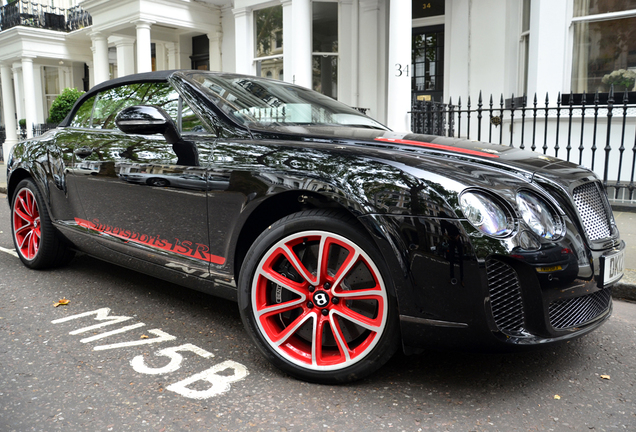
<point x="594" y="130"/>
<point x="31" y="14"/>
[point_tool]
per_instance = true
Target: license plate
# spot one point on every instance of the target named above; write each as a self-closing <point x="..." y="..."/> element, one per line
<point x="612" y="267"/>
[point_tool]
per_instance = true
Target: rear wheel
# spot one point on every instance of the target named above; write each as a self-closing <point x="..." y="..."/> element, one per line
<point x="314" y="297"/>
<point x="36" y="241"/>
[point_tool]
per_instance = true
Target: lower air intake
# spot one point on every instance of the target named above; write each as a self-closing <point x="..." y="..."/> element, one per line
<point x="579" y="310"/>
<point x="505" y="297"/>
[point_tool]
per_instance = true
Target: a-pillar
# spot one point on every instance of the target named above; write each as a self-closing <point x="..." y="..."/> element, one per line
<point x="144" y="51"/>
<point x="216" y="39"/>
<point x="242" y="40"/>
<point x="29" y="95"/>
<point x="9" y="111"/>
<point x="399" y="71"/>
<point x="125" y="54"/>
<point x="302" y="17"/>
<point x="100" y="57"/>
<point x="173" y="55"/>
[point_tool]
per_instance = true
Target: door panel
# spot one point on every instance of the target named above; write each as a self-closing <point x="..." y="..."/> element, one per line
<point x="147" y="198"/>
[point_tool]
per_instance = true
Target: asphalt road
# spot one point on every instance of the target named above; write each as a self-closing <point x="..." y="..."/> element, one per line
<point x="58" y="374"/>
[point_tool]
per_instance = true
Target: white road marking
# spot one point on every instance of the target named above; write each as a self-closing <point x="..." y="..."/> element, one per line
<point x="110" y="333"/>
<point x="220" y="383"/>
<point x="162" y="337"/>
<point x="139" y="365"/>
<point x="9" y="251"/>
<point x="216" y="376"/>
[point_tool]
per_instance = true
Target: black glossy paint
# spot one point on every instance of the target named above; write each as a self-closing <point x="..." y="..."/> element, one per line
<point x="186" y="206"/>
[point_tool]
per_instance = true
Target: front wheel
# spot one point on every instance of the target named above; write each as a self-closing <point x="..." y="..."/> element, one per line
<point x="37" y="243"/>
<point x="314" y="296"/>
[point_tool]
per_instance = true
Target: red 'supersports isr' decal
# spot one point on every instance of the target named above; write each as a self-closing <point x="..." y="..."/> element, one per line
<point x="185" y="248"/>
<point x="438" y="147"/>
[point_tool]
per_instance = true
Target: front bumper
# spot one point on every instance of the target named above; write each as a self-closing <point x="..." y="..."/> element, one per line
<point x="483" y="293"/>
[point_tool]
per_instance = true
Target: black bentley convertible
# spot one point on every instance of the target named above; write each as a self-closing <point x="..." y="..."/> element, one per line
<point x="340" y="239"/>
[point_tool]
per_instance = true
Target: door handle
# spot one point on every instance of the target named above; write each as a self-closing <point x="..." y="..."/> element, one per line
<point x="83" y="152"/>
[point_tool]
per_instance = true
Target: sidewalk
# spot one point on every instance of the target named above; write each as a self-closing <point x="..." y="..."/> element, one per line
<point x="626" y="221"/>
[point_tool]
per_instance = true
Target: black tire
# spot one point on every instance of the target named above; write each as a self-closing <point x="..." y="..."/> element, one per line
<point x="347" y="305"/>
<point x="36" y="241"/>
<point x="157" y="182"/>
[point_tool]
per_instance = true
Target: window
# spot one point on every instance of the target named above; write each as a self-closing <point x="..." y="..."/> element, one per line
<point x="82" y="118"/>
<point x="100" y="111"/>
<point x="427" y="80"/>
<point x="604" y="46"/>
<point x="325" y="48"/>
<point x="269" y="41"/>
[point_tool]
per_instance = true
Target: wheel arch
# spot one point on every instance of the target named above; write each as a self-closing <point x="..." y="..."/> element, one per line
<point x="16" y="177"/>
<point x="284" y="204"/>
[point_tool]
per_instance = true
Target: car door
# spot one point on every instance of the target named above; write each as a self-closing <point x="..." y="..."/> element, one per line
<point x="128" y="185"/>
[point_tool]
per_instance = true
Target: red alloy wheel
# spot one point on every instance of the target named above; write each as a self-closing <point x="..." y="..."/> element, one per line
<point x="319" y="300"/>
<point x="26" y="224"/>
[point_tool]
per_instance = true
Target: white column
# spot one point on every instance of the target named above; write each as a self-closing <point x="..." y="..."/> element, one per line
<point x="242" y="35"/>
<point x="399" y="70"/>
<point x="347" y="83"/>
<point x="29" y="94"/>
<point x="100" y="57"/>
<point x="125" y="54"/>
<point x="173" y="55"/>
<point x="288" y="41"/>
<point x="160" y="52"/>
<point x="41" y="109"/>
<point x="144" y="55"/>
<point x="91" y="74"/>
<point x="228" y="48"/>
<point x="8" y="106"/>
<point x="549" y="60"/>
<point x="302" y="17"/>
<point x="17" y="86"/>
<point x="215" y="39"/>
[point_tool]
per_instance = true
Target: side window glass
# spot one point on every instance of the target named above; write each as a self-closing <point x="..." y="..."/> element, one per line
<point x="110" y="102"/>
<point x="161" y="95"/>
<point x="82" y="118"/>
<point x="189" y="120"/>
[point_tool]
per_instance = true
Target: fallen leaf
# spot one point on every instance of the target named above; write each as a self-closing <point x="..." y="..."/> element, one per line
<point x="143" y="337"/>
<point x="557" y="397"/>
<point x="64" y="301"/>
<point x="605" y="377"/>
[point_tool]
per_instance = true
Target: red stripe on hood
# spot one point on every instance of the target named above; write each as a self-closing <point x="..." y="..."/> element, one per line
<point x="438" y="147"/>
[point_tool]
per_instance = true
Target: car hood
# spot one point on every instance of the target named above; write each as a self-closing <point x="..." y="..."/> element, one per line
<point x="414" y="149"/>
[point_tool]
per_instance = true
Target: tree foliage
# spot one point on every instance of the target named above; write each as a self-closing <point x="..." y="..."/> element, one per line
<point x="62" y="105"/>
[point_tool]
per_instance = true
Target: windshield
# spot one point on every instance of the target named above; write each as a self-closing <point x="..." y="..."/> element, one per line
<point x="263" y="103"/>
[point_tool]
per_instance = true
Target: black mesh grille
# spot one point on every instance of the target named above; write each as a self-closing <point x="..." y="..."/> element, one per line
<point x="505" y="297"/>
<point x="579" y="310"/>
<point x="593" y="211"/>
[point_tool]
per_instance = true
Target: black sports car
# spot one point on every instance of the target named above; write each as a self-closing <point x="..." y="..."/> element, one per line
<point x="340" y="239"/>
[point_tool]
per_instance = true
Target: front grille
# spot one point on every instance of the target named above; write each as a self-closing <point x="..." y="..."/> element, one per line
<point x="593" y="211"/>
<point x="505" y="297"/>
<point x="579" y="310"/>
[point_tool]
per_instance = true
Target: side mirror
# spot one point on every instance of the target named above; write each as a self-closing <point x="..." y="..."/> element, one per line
<point x="147" y="120"/>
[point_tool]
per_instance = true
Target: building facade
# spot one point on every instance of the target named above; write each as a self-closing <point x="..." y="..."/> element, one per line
<point x="380" y="55"/>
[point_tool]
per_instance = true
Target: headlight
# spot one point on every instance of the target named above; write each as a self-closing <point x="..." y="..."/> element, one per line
<point x="539" y="216"/>
<point x="485" y="214"/>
